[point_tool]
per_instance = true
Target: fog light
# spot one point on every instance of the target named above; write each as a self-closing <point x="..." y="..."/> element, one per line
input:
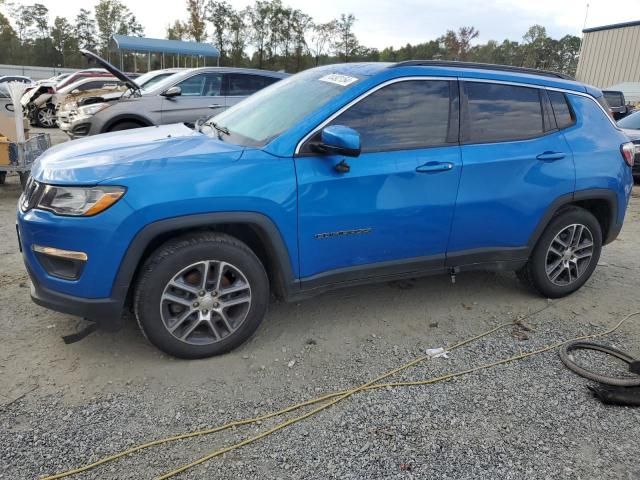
<point x="65" y="264"/>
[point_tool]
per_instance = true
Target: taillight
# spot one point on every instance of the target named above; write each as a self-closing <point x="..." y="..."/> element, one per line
<point x="628" y="151"/>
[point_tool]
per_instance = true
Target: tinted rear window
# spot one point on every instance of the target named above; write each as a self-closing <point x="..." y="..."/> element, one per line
<point x="241" y="84"/>
<point x="561" y="109"/>
<point x="498" y="112"/>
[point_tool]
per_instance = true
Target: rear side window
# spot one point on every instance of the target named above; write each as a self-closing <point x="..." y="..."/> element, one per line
<point x="496" y="112"/>
<point x="240" y="85"/>
<point x="561" y="109"/>
<point x="403" y="115"/>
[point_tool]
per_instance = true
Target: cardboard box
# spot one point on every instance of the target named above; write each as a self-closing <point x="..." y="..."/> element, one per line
<point x="4" y="151"/>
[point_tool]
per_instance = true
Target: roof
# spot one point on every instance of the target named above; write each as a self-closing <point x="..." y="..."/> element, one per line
<point x="612" y="26"/>
<point x="141" y="44"/>
<point x="481" y="66"/>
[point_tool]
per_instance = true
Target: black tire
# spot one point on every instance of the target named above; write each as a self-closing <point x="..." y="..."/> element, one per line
<point x="124" y="126"/>
<point x="534" y="273"/>
<point x="172" y="258"/>
<point x="3" y="178"/>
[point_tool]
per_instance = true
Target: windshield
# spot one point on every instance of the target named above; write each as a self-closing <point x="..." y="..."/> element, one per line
<point x="632" y="121"/>
<point x="149" y="80"/>
<point x="266" y="114"/>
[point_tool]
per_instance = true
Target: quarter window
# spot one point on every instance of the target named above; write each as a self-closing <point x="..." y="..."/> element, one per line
<point x="403" y="115"/>
<point x="561" y="109"/>
<point x="497" y="112"/>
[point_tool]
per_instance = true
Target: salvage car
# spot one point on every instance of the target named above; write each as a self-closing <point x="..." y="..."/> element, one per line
<point x="183" y="97"/>
<point x="336" y="176"/>
<point x="42" y="111"/>
<point x="72" y="109"/>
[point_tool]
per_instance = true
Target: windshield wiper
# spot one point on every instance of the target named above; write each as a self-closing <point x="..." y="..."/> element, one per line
<point x="219" y="128"/>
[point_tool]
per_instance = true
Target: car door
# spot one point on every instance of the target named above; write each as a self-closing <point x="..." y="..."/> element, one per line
<point x="391" y="211"/>
<point x="516" y="163"/>
<point x="238" y="86"/>
<point x="201" y="96"/>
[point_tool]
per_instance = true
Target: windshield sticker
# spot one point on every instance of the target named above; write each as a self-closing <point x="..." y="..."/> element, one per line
<point x="338" y="79"/>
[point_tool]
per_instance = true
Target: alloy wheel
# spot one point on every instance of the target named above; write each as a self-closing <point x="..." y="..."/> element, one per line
<point x="205" y="302"/>
<point x="47" y="117"/>
<point x="569" y="255"/>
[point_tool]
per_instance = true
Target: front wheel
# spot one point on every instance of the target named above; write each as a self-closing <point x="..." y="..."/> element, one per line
<point x="46" y="117"/>
<point x="566" y="254"/>
<point x="201" y="295"/>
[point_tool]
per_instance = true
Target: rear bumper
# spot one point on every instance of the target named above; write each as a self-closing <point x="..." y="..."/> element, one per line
<point x="106" y="312"/>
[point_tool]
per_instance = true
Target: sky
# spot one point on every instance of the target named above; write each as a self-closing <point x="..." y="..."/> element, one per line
<point x="382" y="23"/>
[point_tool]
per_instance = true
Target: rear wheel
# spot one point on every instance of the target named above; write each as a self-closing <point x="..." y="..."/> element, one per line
<point x="201" y="295"/>
<point x="566" y="254"/>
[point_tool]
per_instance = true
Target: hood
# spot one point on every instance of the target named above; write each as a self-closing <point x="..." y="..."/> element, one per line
<point x="93" y="58"/>
<point x="129" y="153"/>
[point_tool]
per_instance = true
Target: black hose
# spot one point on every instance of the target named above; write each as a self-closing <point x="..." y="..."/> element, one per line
<point x="565" y="356"/>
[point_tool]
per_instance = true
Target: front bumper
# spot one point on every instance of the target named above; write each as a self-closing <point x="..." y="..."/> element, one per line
<point x="92" y="293"/>
<point x="106" y="312"/>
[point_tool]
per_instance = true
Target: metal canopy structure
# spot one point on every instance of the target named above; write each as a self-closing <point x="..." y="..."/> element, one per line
<point x="194" y="50"/>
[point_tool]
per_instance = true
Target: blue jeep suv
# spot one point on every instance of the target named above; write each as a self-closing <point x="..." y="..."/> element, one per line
<point x="338" y="175"/>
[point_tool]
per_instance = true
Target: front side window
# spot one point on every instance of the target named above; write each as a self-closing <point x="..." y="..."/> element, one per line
<point x="403" y="115"/>
<point x="201" y="85"/>
<point x="497" y="112"/>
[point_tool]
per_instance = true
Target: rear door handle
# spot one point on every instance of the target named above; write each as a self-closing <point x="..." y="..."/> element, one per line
<point x="432" y="167"/>
<point x="216" y="105"/>
<point x="551" y="156"/>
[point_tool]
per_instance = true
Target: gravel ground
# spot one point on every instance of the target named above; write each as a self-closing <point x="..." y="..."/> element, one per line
<point x="62" y="406"/>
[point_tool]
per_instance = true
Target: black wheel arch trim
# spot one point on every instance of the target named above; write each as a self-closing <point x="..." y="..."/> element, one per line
<point x="263" y="225"/>
<point x="126" y="117"/>
<point x="613" y="229"/>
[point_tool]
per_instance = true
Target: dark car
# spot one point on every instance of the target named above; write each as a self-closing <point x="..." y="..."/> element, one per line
<point x="617" y="103"/>
<point x="631" y="127"/>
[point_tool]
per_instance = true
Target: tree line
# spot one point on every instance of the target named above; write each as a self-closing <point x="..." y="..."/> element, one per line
<point x="267" y="34"/>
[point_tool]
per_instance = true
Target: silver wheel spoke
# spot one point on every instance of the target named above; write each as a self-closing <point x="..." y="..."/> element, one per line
<point x="225" y="320"/>
<point x="235" y="301"/>
<point x="234" y="289"/>
<point x="181" y="319"/>
<point x="205" y="275"/>
<point x="220" y="272"/>
<point x="180" y="285"/>
<point x="169" y="297"/>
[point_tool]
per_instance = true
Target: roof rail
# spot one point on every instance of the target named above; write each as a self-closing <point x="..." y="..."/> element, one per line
<point x="482" y="66"/>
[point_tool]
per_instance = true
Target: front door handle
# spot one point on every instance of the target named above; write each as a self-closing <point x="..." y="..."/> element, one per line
<point x="432" y="167"/>
<point x="216" y="105"/>
<point x="550" y="156"/>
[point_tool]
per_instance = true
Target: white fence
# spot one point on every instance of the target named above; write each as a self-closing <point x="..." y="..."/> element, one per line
<point x="35" y="73"/>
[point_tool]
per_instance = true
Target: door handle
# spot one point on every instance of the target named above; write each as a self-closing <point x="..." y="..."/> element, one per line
<point x="432" y="167"/>
<point x="216" y="105"/>
<point x="551" y="156"/>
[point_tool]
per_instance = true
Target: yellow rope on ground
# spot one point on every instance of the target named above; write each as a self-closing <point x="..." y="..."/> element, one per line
<point x="336" y="396"/>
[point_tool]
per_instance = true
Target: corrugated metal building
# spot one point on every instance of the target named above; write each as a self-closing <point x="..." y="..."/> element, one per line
<point x="610" y="55"/>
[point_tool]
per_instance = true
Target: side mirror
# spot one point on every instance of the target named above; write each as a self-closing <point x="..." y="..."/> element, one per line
<point x="171" y="92"/>
<point x="339" y="140"/>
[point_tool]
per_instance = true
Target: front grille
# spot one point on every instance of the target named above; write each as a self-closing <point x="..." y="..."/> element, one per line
<point x="31" y="195"/>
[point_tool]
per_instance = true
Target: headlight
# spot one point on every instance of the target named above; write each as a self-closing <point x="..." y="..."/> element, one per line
<point x="89" y="110"/>
<point x="79" y="201"/>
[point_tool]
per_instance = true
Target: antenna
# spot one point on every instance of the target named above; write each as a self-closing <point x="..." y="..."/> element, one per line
<point x="586" y="14"/>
